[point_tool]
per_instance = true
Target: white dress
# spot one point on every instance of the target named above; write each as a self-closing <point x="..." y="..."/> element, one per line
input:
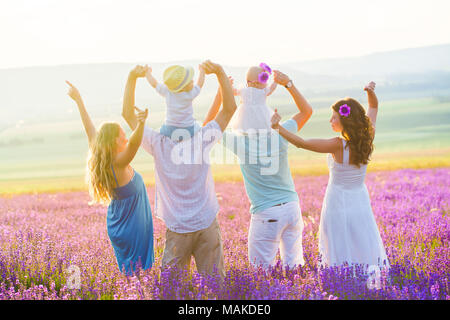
<point x="348" y="231"/>
<point x="253" y="112"/>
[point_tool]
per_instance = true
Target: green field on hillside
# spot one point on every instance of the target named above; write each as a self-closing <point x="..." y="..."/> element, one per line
<point x="51" y="156"/>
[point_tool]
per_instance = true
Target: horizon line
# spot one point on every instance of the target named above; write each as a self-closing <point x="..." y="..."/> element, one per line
<point x="228" y="65"/>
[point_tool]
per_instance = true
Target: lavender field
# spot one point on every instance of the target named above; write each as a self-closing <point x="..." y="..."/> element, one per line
<point x="42" y="235"/>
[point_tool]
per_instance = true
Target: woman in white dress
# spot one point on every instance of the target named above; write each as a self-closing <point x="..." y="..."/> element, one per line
<point x="348" y="232"/>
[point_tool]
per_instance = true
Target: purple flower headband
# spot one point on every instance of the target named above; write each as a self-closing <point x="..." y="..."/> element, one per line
<point x="264" y="75"/>
<point x="265" y="67"/>
<point x="344" y="110"/>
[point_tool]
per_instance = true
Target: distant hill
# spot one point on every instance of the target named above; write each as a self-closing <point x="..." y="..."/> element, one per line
<point x="38" y="94"/>
<point x="413" y="60"/>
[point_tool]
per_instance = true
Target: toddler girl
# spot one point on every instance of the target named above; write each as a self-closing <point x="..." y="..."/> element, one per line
<point x="253" y="101"/>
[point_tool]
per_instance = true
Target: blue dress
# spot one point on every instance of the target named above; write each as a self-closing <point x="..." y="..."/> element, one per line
<point x="130" y="225"/>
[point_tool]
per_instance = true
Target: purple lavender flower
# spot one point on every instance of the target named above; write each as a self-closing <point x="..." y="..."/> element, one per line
<point x="344" y="110"/>
<point x="37" y="246"/>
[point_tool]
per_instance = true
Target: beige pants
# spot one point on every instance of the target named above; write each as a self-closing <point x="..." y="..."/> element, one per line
<point x="205" y="245"/>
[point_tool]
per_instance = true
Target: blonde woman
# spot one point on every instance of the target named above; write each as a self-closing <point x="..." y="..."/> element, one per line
<point x="113" y="182"/>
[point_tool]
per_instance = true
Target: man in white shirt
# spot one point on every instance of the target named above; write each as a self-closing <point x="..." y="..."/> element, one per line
<point x="186" y="198"/>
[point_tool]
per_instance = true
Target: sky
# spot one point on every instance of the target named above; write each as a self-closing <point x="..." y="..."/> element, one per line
<point x="232" y="32"/>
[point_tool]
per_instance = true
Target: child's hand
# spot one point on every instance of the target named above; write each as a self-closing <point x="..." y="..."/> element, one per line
<point x="141" y="115"/>
<point x="275" y="121"/>
<point x="73" y="92"/>
<point x="370" y="87"/>
<point x="201" y="76"/>
<point x="149" y="70"/>
<point x="211" y="67"/>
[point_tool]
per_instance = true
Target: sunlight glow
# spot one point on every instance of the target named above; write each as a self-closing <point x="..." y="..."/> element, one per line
<point x="52" y="32"/>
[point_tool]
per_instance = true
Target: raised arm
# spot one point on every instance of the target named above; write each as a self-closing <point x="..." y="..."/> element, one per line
<point x="129" y="95"/>
<point x="229" y="104"/>
<point x="201" y="76"/>
<point x="150" y="78"/>
<point x="272" y="88"/>
<point x="215" y="107"/>
<point x="125" y="157"/>
<point x="373" y="103"/>
<point x="317" y="145"/>
<point x="303" y="106"/>
<point x="87" y="122"/>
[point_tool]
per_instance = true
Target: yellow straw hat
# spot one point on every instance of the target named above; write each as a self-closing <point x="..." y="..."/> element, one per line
<point x="177" y="77"/>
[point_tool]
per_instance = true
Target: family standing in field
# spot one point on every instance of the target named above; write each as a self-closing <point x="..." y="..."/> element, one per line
<point x="185" y="195"/>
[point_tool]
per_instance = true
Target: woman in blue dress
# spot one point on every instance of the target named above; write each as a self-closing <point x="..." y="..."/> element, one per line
<point x="113" y="182"/>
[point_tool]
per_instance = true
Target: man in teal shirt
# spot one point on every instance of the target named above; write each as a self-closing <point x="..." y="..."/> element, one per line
<point x="276" y="221"/>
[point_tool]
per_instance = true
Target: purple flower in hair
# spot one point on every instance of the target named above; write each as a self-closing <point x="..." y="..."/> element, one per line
<point x="344" y="110"/>
<point x="265" y="67"/>
<point x="263" y="77"/>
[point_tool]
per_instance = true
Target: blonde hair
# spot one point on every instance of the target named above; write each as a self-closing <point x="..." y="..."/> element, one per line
<point x="99" y="176"/>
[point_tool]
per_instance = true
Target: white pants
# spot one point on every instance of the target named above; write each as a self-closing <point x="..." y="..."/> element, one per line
<point x="273" y="228"/>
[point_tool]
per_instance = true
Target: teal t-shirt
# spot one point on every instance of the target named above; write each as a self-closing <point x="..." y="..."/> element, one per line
<point x="264" y="166"/>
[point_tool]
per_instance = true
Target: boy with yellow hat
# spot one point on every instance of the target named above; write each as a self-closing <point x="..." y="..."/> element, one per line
<point x="179" y="91"/>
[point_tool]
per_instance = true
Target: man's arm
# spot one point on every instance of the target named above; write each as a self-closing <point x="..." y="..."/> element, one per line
<point x="87" y="122"/>
<point x="129" y="96"/>
<point x="303" y="106"/>
<point x="215" y="107"/>
<point x="229" y="104"/>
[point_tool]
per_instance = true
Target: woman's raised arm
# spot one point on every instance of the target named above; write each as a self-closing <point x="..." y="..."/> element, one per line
<point x="87" y="122"/>
<point x="373" y="103"/>
<point x="126" y="156"/>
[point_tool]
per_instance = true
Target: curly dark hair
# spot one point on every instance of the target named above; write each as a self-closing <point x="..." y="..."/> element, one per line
<point x="357" y="130"/>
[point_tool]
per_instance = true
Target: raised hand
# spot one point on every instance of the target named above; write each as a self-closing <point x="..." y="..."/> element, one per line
<point x="87" y="122"/>
<point x="139" y="71"/>
<point x="373" y="103"/>
<point x="73" y="92"/>
<point x="275" y="120"/>
<point x="280" y="78"/>
<point x="141" y="116"/>
<point x="211" y="67"/>
<point x="370" y="87"/>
